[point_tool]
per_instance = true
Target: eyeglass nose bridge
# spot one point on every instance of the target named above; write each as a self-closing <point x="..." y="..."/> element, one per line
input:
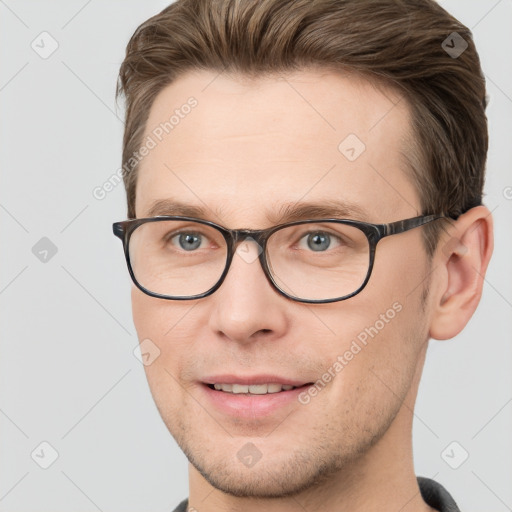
<point x="239" y="235"/>
<point x="236" y="237"/>
<point x="255" y="236"/>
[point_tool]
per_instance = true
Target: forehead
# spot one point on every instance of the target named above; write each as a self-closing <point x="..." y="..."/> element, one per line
<point x="241" y="147"/>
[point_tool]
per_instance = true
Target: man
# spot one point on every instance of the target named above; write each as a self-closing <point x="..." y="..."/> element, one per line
<point x="272" y="150"/>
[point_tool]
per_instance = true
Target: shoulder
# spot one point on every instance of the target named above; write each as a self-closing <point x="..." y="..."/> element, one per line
<point x="182" y="507"/>
<point x="436" y="496"/>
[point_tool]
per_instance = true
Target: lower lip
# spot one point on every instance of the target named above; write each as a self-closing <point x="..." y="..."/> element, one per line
<point x="251" y="406"/>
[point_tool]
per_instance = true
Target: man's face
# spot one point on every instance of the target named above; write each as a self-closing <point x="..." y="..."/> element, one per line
<point x="246" y="149"/>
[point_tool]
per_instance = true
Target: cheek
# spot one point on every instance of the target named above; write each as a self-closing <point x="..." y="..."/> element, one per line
<point x="140" y="309"/>
<point x="378" y="336"/>
<point x="157" y="319"/>
<point x="166" y="329"/>
<point x="401" y="266"/>
<point x="153" y="320"/>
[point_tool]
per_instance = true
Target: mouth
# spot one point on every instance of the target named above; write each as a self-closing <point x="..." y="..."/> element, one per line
<point x="255" y="389"/>
<point x="251" y="397"/>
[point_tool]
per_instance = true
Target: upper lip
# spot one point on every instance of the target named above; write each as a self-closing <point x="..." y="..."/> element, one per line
<point x="252" y="380"/>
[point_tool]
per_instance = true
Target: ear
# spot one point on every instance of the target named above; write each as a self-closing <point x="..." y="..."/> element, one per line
<point x="461" y="260"/>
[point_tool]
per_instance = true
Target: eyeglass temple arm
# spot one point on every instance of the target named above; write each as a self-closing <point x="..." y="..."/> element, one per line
<point x="405" y="225"/>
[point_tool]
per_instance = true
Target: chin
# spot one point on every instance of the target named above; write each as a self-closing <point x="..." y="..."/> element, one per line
<point x="281" y="475"/>
<point x="277" y="482"/>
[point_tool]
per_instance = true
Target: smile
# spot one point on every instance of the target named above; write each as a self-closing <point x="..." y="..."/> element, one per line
<point x="255" y="389"/>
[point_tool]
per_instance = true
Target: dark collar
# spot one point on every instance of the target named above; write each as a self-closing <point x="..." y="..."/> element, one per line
<point x="432" y="492"/>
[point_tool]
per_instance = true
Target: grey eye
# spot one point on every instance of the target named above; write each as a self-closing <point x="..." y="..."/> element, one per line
<point x="319" y="241"/>
<point x="189" y="241"/>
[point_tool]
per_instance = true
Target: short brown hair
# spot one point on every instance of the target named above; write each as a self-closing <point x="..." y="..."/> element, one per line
<point x="402" y="43"/>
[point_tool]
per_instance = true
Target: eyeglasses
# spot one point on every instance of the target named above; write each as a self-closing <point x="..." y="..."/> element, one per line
<point x="312" y="261"/>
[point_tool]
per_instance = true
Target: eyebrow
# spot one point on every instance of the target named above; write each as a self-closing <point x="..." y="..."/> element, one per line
<point x="287" y="212"/>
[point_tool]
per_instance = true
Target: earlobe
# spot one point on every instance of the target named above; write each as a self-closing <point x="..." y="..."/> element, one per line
<point x="463" y="254"/>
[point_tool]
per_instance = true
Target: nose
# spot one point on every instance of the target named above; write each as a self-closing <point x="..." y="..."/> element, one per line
<point x="246" y="307"/>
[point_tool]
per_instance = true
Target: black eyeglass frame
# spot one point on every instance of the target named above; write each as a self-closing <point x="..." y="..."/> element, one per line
<point x="374" y="233"/>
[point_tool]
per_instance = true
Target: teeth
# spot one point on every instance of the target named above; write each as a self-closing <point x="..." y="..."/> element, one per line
<point x="239" y="388"/>
<point x="256" y="389"/>
<point x="273" y="388"/>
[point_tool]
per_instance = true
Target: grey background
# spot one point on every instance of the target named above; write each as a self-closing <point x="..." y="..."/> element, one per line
<point x="68" y="373"/>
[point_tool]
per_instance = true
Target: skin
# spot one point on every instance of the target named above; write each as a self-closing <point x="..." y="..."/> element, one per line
<point x="248" y="147"/>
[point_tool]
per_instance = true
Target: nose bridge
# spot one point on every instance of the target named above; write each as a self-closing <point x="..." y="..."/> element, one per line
<point x="241" y="234"/>
<point x="249" y="235"/>
<point x="249" y="253"/>
<point x="241" y="305"/>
